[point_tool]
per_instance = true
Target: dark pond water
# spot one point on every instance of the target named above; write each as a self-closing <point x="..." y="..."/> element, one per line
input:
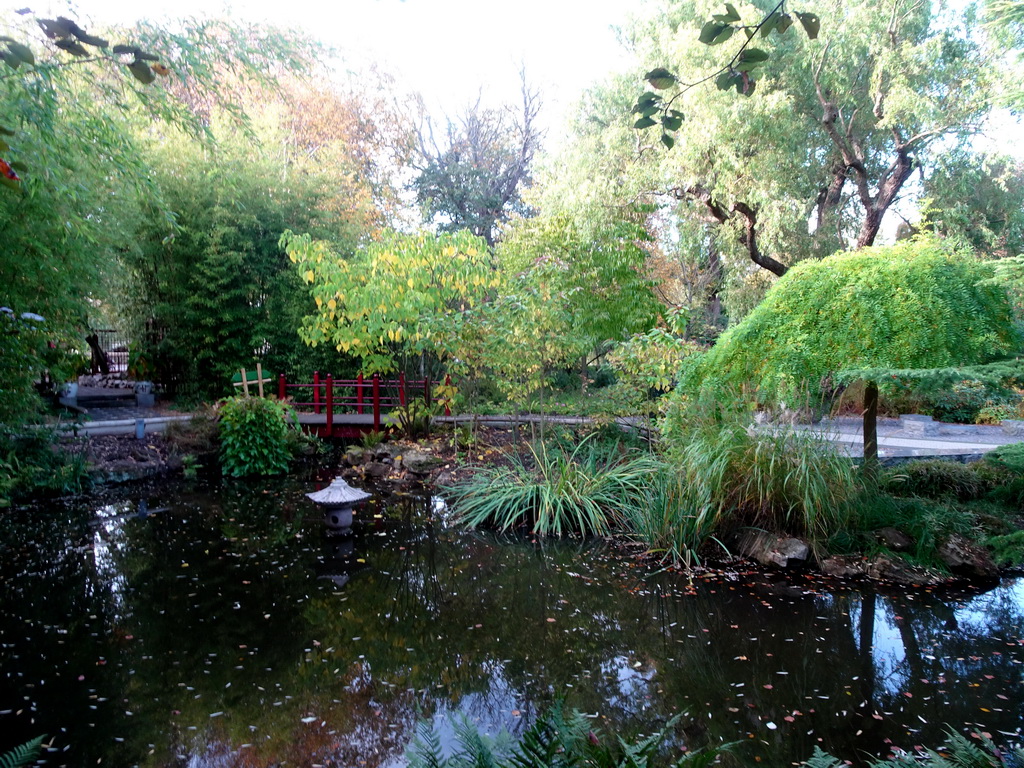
<point x="196" y="626"/>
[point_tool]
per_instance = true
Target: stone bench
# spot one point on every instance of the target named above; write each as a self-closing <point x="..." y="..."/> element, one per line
<point x="916" y="424"/>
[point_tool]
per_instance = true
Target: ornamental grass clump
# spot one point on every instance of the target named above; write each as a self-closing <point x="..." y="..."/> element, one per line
<point x="555" y="490"/>
<point x="772" y="477"/>
<point x="253" y="436"/>
<point x="670" y="520"/>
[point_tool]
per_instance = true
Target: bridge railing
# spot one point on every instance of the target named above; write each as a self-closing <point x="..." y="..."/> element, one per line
<point x="363" y="395"/>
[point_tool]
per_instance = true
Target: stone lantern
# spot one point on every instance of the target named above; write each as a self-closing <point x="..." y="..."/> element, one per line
<point x="337" y="500"/>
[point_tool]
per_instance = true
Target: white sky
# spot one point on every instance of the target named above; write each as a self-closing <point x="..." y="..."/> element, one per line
<point x="448" y="50"/>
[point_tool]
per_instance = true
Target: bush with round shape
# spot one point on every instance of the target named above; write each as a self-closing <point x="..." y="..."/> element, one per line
<point x="253" y="436"/>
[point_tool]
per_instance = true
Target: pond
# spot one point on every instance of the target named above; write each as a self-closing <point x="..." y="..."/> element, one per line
<point x="224" y="625"/>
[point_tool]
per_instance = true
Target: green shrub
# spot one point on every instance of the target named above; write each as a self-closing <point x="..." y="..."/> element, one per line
<point x="253" y="436"/>
<point x="554" y="491"/>
<point x="920" y="303"/>
<point x="962" y="403"/>
<point x="772" y="477"/>
<point x="999" y="412"/>
<point x="937" y="479"/>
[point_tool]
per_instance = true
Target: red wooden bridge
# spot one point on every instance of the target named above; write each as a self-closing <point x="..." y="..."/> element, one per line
<point x="330" y="407"/>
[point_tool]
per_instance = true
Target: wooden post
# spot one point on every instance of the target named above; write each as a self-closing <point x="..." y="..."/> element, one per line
<point x="281" y="387"/>
<point x="259" y="378"/>
<point x="359" y="394"/>
<point x="376" y="403"/>
<point x="401" y="389"/>
<point x="426" y="391"/>
<point x="245" y="383"/>
<point x="316" y="392"/>
<point x="447" y="383"/>
<point x="330" y="405"/>
<point x="871" y="430"/>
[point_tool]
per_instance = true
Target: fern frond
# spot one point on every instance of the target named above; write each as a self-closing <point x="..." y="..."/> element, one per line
<point x="21" y="756"/>
<point x="425" y="751"/>
<point x="822" y="759"/>
<point x="474" y="749"/>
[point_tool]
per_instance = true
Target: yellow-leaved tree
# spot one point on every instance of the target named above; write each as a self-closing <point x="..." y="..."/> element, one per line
<point x="404" y="295"/>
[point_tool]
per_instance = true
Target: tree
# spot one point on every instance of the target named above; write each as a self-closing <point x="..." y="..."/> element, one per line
<point x="593" y="278"/>
<point x="821" y="151"/>
<point x="216" y="293"/>
<point x="978" y="199"/>
<point x="87" y="186"/>
<point x="473" y="177"/>
<point x="403" y="296"/>
<point x="917" y="304"/>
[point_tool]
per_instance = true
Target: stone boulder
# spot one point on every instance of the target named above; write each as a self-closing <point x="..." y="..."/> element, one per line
<point x="894" y="539"/>
<point x="354" y="456"/>
<point x="774" y="550"/>
<point x="419" y="463"/>
<point x="844" y="566"/>
<point x="966" y="558"/>
<point x="896" y="570"/>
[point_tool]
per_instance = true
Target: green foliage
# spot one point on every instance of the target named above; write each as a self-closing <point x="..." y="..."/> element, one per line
<point x="22" y="755"/>
<point x="652" y="360"/>
<point x="977" y="200"/>
<point x="771" y="477"/>
<point x="36" y="462"/>
<point x="88" y="187"/>
<point x="912" y="305"/>
<point x="216" y="293"/>
<point x="927" y="522"/>
<point x="671" y="520"/>
<point x="961" y="404"/>
<point x="414" y="418"/>
<point x="936" y="479"/>
<point x="408" y="294"/>
<point x="1010" y="456"/>
<point x="957" y="752"/>
<point x="1007" y="549"/>
<point x="253" y="436"/>
<point x="554" y="490"/>
<point x="555" y="740"/>
<point x="736" y="74"/>
<point x="592" y="276"/>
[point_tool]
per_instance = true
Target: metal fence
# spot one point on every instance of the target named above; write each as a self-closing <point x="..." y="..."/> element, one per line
<point x="114" y="344"/>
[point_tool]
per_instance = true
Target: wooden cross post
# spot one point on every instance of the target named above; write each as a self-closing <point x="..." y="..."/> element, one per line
<point x="259" y="381"/>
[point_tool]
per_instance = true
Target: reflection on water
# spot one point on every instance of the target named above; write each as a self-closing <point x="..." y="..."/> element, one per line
<point x="229" y="627"/>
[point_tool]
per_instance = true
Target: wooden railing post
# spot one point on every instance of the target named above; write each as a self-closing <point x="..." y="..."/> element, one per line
<point x="426" y="391"/>
<point x="316" y="392"/>
<point x="401" y="389"/>
<point x="330" y="405"/>
<point x="281" y="387"/>
<point x="359" y="394"/>
<point x="376" y="403"/>
<point x="447" y="400"/>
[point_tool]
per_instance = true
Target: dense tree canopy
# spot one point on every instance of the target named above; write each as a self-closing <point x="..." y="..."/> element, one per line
<point x="917" y="304"/>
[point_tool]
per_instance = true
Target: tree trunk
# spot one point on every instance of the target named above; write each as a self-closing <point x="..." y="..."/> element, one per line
<point x="871" y="431"/>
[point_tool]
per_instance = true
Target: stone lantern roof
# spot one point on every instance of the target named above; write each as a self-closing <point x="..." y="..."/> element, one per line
<point x="338" y="494"/>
